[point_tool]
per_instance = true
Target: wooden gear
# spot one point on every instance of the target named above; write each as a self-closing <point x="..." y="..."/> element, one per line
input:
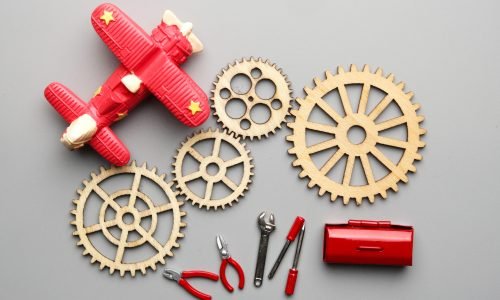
<point x="218" y="138"/>
<point x="256" y="70"/>
<point x="146" y="235"/>
<point x="314" y="99"/>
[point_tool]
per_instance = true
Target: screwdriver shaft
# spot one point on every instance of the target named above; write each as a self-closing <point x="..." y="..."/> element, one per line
<point x="279" y="259"/>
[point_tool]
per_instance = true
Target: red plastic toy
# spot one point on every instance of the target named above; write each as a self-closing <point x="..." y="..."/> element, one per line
<point x="181" y="279"/>
<point x="368" y="242"/>
<point x="148" y="64"/>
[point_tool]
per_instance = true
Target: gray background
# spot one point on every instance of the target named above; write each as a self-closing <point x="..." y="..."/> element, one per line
<point x="446" y="52"/>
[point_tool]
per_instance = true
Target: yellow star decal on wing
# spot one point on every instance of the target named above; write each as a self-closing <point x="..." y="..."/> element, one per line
<point x="120" y="116"/>
<point x="98" y="91"/>
<point x="194" y="107"/>
<point x="107" y="17"/>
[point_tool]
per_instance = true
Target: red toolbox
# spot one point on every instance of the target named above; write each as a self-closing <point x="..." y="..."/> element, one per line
<point x="368" y="243"/>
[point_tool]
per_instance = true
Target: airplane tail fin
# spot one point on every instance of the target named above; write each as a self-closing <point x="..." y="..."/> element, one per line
<point x="109" y="146"/>
<point x="65" y="102"/>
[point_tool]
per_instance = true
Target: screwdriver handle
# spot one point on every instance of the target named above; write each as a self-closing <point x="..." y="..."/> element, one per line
<point x="290" y="282"/>
<point x="294" y="230"/>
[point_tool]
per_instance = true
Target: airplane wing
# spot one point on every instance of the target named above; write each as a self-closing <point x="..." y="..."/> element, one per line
<point x="176" y="90"/>
<point x="127" y="40"/>
<point x="107" y="144"/>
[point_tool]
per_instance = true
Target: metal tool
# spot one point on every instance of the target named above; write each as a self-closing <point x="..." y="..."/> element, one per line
<point x="294" y="272"/>
<point x="265" y="230"/>
<point x="181" y="280"/>
<point x="227" y="259"/>
<point x="292" y="234"/>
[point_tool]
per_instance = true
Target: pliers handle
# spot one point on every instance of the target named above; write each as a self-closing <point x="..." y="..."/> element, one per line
<point x="238" y="269"/>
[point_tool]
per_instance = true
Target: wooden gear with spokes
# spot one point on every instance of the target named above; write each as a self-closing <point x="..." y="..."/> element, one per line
<point x="359" y="117"/>
<point x="123" y="243"/>
<point x="214" y="158"/>
<point x="256" y="70"/>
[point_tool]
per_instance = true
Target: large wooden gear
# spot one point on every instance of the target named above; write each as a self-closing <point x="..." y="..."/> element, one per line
<point x="208" y="200"/>
<point x="135" y="215"/>
<point x="257" y="71"/>
<point x="339" y="127"/>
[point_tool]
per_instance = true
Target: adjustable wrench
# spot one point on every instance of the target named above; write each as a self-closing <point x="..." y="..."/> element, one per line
<point x="266" y="227"/>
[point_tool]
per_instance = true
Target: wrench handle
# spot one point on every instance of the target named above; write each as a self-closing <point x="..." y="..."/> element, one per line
<point x="261" y="260"/>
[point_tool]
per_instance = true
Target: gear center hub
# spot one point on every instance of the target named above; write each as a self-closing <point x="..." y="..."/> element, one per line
<point x="213" y="169"/>
<point x="129" y="218"/>
<point x="360" y="142"/>
<point x="356" y="134"/>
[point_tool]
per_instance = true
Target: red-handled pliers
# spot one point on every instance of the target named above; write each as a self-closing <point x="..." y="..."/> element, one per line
<point x="181" y="280"/>
<point x="227" y="259"/>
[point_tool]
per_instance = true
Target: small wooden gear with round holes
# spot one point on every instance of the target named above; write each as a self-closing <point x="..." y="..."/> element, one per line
<point x="214" y="158"/>
<point x="318" y="175"/>
<point x="123" y="243"/>
<point x="257" y="71"/>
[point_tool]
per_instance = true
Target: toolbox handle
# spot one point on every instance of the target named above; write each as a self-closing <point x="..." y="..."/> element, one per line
<point x="364" y="223"/>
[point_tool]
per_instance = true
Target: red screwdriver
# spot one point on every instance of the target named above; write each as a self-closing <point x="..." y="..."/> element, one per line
<point x="292" y="234"/>
<point x="293" y="273"/>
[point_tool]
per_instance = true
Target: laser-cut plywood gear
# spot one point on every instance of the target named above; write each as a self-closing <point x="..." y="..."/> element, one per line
<point x="123" y="243"/>
<point x="214" y="158"/>
<point x="314" y="99"/>
<point x="257" y="71"/>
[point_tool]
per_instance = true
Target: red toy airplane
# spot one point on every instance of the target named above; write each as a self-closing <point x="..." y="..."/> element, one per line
<point x="149" y="64"/>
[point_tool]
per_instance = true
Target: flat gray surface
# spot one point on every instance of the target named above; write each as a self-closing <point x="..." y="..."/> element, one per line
<point x="446" y="52"/>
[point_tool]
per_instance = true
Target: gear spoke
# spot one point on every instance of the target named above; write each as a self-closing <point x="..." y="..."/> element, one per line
<point x="320" y="127"/>
<point x="322" y="146"/>
<point x="208" y="190"/>
<point x="234" y="161"/>
<point x="392" y="142"/>
<point x="367" y="168"/>
<point x="380" y="107"/>
<point x="121" y="246"/>
<point x="363" y="99"/>
<point x="328" y="109"/>
<point x="157" y="209"/>
<point x="149" y="238"/>
<point x="389" y="164"/>
<point x="134" y="190"/>
<point x="191" y="177"/>
<point x="391" y="123"/>
<point x="346" y="103"/>
<point x="331" y="162"/>
<point x="217" y="144"/>
<point x="98" y="227"/>
<point x="195" y="154"/>
<point x="230" y="184"/>
<point x="349" y="167"/>
<point x="104" y="196"/>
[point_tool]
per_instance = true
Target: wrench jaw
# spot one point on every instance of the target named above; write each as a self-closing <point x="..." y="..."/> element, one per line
<point x="266" y="226"/>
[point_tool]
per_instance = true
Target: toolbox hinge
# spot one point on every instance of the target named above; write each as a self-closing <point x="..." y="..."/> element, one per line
<point x="363" y="223"/>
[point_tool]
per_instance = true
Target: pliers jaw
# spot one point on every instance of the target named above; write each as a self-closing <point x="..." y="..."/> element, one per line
<point x="172" y="275"/>
<point x="222" y="246"/>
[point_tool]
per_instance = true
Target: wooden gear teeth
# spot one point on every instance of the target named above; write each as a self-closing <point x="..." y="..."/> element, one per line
<point x="145" y="235"/>
<point x="237" y="189"/>
<point x="318" y="175"/>
<point x="256" y="70"/>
